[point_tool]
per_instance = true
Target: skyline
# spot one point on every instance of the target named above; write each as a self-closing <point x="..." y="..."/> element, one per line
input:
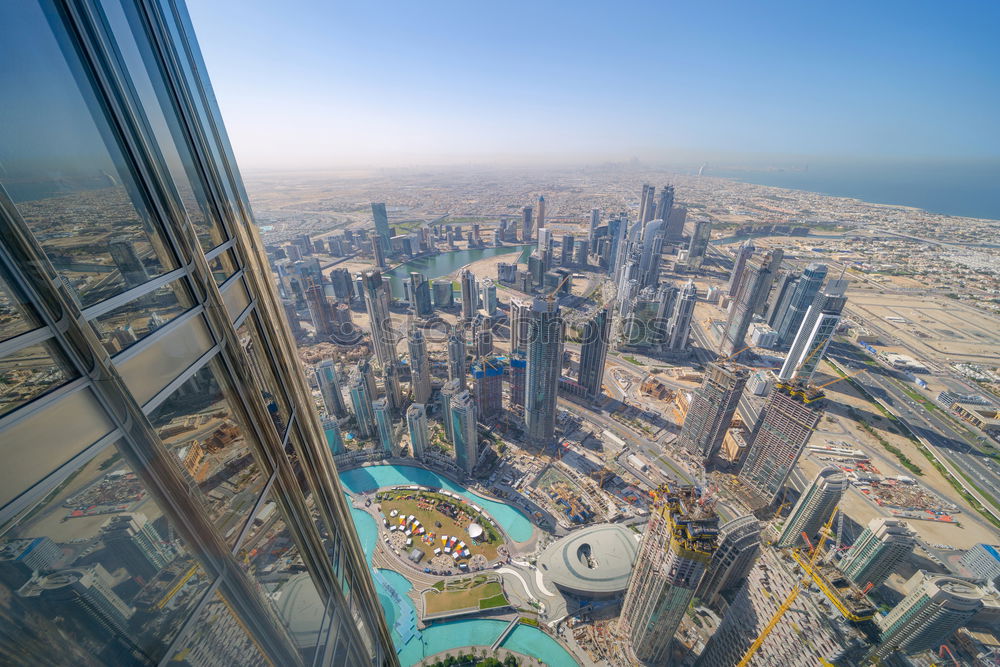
<point x="352" y="85"/>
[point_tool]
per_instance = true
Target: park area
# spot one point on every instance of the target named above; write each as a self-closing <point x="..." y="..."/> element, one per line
<point x="480" y="592"/>
<point x="442" y="517"/>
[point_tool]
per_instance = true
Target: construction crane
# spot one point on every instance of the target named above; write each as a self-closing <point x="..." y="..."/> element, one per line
<point x="792" y="595"/>
<point x="944" y="648"/>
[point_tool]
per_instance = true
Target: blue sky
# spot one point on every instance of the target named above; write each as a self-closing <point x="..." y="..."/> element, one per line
<point x="316" y="84"/>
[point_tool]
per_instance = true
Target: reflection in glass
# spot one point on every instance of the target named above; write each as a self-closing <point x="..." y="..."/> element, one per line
<point x="200" y="426"/>
<point x="94" y="574"/>
<point x="218" y="640"/>
<point x="271" y="558"/>
<point x="223" y="266"/>
<point x="128" y="324"/>
<point x="29" y="373"/>
<point x="139" y="62"/>
<point x="270" y="391"/>
<point x="16" y="315"/>
<point x="62" y="165"/>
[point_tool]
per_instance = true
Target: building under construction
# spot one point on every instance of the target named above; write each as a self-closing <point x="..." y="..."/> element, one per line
<point x="829" y="622"/>
<point x="675" y="552"/>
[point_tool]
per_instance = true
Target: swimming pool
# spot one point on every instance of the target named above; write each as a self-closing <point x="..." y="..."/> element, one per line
<point x="451" y="634"/>
<point x="516" y="525"/>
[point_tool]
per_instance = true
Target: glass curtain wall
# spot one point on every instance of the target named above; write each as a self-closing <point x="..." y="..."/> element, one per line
<point x="167" y="495"/>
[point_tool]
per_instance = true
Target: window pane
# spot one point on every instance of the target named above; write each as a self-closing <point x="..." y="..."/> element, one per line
<point x="273" y="561"/>
<point x="63" y="167"/>
<point x="223" y="265"/>
<point x="270" y="391"/>
<point x="31" y="372"/>
<point x="128" y="324"/>
<point x="199" y="424"/>
<point x="16" y="315"/>
<point x="94" y="574"/>
<point x="138" y="60"/>
<point x="218" y="640"/>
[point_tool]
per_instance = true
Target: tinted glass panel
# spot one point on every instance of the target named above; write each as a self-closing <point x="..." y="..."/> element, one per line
<point x="138" y="60"/>
<point x="63" y="166"/>
<point x="223" y="265"/>
<point x="200" y="425"/>
<point x="94" y="574"/>
<point x="272" y="559"/>
<point x="128" y="324"/>
<point x="31" y="372"/>
<point x="218" y="639"/>
<point x="270" y="391"/>
<point x="16" y="316"/>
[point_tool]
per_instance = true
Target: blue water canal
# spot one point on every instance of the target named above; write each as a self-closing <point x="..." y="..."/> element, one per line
<point x="449" y="262"/>
<point x="452" y="634"/>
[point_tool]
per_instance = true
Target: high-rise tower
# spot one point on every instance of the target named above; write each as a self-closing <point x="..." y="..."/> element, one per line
<point x="698" y="245"/>
<point x="814" y="507"/>
<point x="785" y="426"/>
<point x="883" y="545"/>
<point x="541" y="212"/>
<point x="420" y="288"/>
<point x="676" y="549"/>
<point x="456" y="357"/>
<point x="712" y="408"/>
<point x="935" y="607"/>
<point x="377" y="304"/>
<point x="652" y="250"/>
<point x="519" y="309"/>
<point x="594" y="352"/>
<point x="383" y="425"/>
<point x="679" y="326"/>
<point x="361" y="388"/>
<point x="800" y="299"/>
<point x="487" y="377"/>
<point x="755" y="282"/>
<point x="595" y="222"/>
<point x="122" y="210"/>
<point x="416" y="425"/>
<point x="739" y="545"/>
<point x="381" y="219"/>
<point x="420" y="371"/>
<point x="526" y="224"/>
<point x="470" y="294"/>
<point x="464" y="431"/>
<point x="815" y="333"/>
<point x="329" y="388"/>
<point x="744" y="253"/>
<point x="544" y="363"/>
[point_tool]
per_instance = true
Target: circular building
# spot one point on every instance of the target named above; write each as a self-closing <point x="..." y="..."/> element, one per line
<point x="592" y="563"/>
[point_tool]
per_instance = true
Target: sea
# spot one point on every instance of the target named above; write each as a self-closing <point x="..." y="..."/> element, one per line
<point x="966" y="189"/>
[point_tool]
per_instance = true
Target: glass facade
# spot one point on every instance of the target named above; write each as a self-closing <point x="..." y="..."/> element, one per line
<point x="167" y="495"/>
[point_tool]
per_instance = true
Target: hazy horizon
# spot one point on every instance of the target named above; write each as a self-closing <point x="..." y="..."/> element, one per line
<point x="319" y="85"/>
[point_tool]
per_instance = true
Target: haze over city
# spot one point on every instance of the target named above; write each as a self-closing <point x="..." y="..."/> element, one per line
<point x="499" y="335"/>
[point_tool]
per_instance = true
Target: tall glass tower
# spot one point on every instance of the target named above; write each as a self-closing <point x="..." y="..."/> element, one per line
<point x="167" y="492"/>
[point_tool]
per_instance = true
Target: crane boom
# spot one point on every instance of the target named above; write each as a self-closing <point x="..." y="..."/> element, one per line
<point x="786" y="605"/>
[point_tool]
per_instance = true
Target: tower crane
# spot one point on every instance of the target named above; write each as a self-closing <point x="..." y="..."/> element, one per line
<point x="792" y="595"/>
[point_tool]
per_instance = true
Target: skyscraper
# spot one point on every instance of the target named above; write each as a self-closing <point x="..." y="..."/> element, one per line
<point x="935" y="607"/>
<point x="566" y="256"/>
<point x="679" y="326"/>
<point x="526" y="224"/>
<point x="801" y="298"/>
<point x="393" y="390"/>
<point x="544" y="363"/>
<point x="456" y="357"/>
<point x="420" y="370"/>
<point x="755" y="282"/>
<point x="780" y="297"/>
<point x="450" y="389"/>
<point x="744" y="253"/>
<point x="378" y="250"/>
<point x="738" y="547"/>
<point x="361" y="388"/>
<point x="883" y="545"/>
<point x="541" y="212"/>
<point x="382" y="227"/>
<point x="383" y="425"/>
<point x="594" y="352"/>
<point x="488" y="296"/>
<point x="380" y="323"/>
<point x="595" y="222"/>
<point x="518" y="377"/>
<point x="115" y="156"/>
<point x="652" y="250"/>
<point x="487" y="377"/>
<point x="470" y="294"/>
<point x="647" y="204"/>
<point x="785" y="426"/>
<point x="815" y="333"/>
<point x="698" y="245"/>
<point x="329" y="388"/>
<point x="420" y="288"/>
<point x="814" y="506"/>
<point x="676" y="549"/>
<point x="519" y="309"/>
<point x="444" y="295"/>
<point x="665" y="205"/>
<point x="319" y="310"/>
<point x="416" y="425"/>
<point x="465" y="433"/>
<point x="712" y="408"/>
